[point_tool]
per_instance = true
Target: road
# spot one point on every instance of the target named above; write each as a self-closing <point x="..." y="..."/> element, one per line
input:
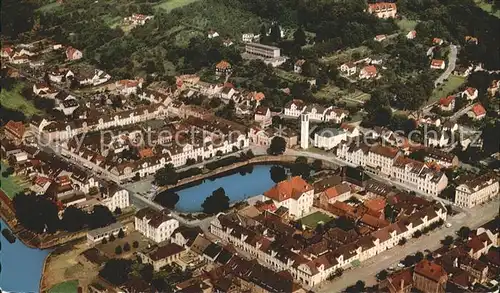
<point x="452" y="59"/>
<point x="472" y="218"/>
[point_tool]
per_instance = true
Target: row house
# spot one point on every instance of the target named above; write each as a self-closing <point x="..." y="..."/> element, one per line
<point x="155" y="225"/>
<point x="443" y="159"/>
<point x="263" y="116"/>
<point x="316" y="112"/>
<point x="160" y="256"/>
<point x="419" y="176"/>
<point x="383" y="9"/>
<point x="476" y="191"/>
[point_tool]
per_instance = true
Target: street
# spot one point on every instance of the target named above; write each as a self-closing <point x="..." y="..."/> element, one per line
<point x="452" y="59"/>
<point x="366" y="272"/>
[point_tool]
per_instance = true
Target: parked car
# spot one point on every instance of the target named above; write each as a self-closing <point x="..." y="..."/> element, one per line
<point x="448" y="225"/>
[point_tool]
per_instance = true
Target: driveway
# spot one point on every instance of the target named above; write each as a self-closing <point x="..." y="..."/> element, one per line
<point x="452" y="59"/>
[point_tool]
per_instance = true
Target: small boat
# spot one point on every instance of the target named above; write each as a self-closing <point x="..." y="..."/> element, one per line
<point x="8" y="235"/>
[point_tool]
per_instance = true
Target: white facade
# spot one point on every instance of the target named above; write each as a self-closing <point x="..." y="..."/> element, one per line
<point x="304" y="131"/>
<point x="154" y="228"/>
<point x="468" y="195"/>
<point x="328" y="139"/>
<point x="120" y="199"/>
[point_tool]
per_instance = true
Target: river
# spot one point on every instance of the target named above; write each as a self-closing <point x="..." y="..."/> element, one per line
<point x="21" y="266"/>
<point x="238" y="187"/>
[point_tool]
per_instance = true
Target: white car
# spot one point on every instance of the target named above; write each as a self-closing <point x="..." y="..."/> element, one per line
<point x="401" y="265"/>
<point x="448" y="225"/>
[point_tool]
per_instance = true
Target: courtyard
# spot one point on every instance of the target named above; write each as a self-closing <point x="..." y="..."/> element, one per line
<point x="314" y="219"/>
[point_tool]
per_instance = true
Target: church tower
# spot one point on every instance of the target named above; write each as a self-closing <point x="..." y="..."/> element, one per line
<point x="304" y="131"/>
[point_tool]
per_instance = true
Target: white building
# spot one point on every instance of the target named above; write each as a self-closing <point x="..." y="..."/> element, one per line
<point x="304" y="131"/>
<point x="155" y="225"/>
<point x="383" y="9"/>
<point x="417" y="175"/>
<point x="294" y="194"/>
<point x="160" y="256"/>
<point x="97" y="235"/>
<point x="114" y="197"/>
<point x="329" y="138"/>
<point x="476" y="191"/>
<point x="294" y="108"/>
<point x="348" y="69"/>
<point x="470" y="93"/>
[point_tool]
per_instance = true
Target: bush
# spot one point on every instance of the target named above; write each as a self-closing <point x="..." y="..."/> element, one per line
<point x="135" y="244"/>
<point x="112" y="238"/>
<point x="121" y="234"/>
<point x="126" y="247"/>
<point x="118" y="250"/>
<point x="104" y="241"/>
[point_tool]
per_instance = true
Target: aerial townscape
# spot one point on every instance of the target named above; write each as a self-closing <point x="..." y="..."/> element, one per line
<point x="250" y="146"/>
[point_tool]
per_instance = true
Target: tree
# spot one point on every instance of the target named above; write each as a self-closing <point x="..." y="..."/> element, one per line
<point x="278" y="173"/>
<point x="147" y="272"/>
<point x="419" y="256"/>
<point x="121" y="234"/>
<point x="277" y="146"/>
<point x="216" y="203"/>
<point x="116" y="271"/>
<point x="167" y="199"/>
<point x="389" y="213"/>
<point x="317" y="165"/>
<point x="447" y="241"/>
<point x="382" y="275"/>
<point x="135" y="244"/>
<point x="190" y="161"/>
<point x="275" y="34"/>
<point x="464" y="232"/>
<point x="100" y="217"/>
<point x="118" y="211"/>
<point x="402" y="241"/>
<point x="118" y="250"/>
<point x="417" y="234"/>
<point x="104" y="241"/>
<point x="36" y="213"/>
<point x="360" y="286"/>
<point x="126" y="246"/>
<point x="218" y="153"/>
<point x="299" y="37"/>
<point x="301" y="168"/>
<point x="166" y="175"/>
<point x="74" y="219"/>
<point x="112" y="238"/>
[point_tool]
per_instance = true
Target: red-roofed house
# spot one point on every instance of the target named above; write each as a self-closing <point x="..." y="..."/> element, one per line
<point x="411" y="35"/>
<point x="477" y="112"/>
<point x="368" y="72"/>
<point x="437" y="64"/>
<point x="383" y="9"/>
<point x="437" y="41"/>
<point x="295" y="194"/>
<point x="379" y="38"/>
<point x="447" y="104"/>
<point x="15" y="130"/>
<point x="429" y="277"/>
<point x="470" y="93"/>
<point x="400" y="282"/>
<point x="73" y="54"/>
<point x="7" y="52"/>
<point x="348" y="68"/>
<point x="223" y="67"/>
<point x="128" y="86"/>
<point x="340" y="192"/>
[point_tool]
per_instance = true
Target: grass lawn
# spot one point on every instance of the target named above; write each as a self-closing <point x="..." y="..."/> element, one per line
<point x="449" y="87"/>
<point x="12" y="184"/>
<point x="14" y="100"/>
<point x="314" y="219"/>
<point x="406" y="25"/>
<point x="346" y="56"/>
<point x="487" y="7"/>
<point x="168" y="5"/>
<point x="65" y="287"/>
<point x="327" y="92"/>
<point x="48" y="7"/>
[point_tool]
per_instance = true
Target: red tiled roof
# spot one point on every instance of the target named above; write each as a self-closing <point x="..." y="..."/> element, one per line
<point x="437" y="40"/>
<point x="292" y="188"/>
<point x="446" y="101"/>
<point x="370" y="70"/>
<point x="376" y="204"/>
<point x="16" y="127"/>
<point x="223" y="65"/>
<point x="430" y="270"/>
<point x="471" y="91"/>
<point x="382" y="6"/>
<point x="145" y="153"/>
<point x="437" y="62"/>
<point x="478" y="110"/>
<point x="259" y="96"/>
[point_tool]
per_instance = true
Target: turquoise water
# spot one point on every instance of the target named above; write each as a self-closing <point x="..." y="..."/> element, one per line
<point x="238" y="187"/>
<point x="21" y="266"/>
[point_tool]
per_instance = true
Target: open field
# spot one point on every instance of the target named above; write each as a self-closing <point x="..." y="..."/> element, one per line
<point x="346" y="56"/>
<point x="289" y="76"/>
<point x="65" y="287"/>
<point x="487" y="7"/>
<point x="449" y="87"/>
<point x="327" y="92"/>
<point x="314" y="219"/>
<point x="12" y="184"/>
<point x="168" y="5"/>
<point x="406" y="25"/>
<point x="13" y="99"/>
